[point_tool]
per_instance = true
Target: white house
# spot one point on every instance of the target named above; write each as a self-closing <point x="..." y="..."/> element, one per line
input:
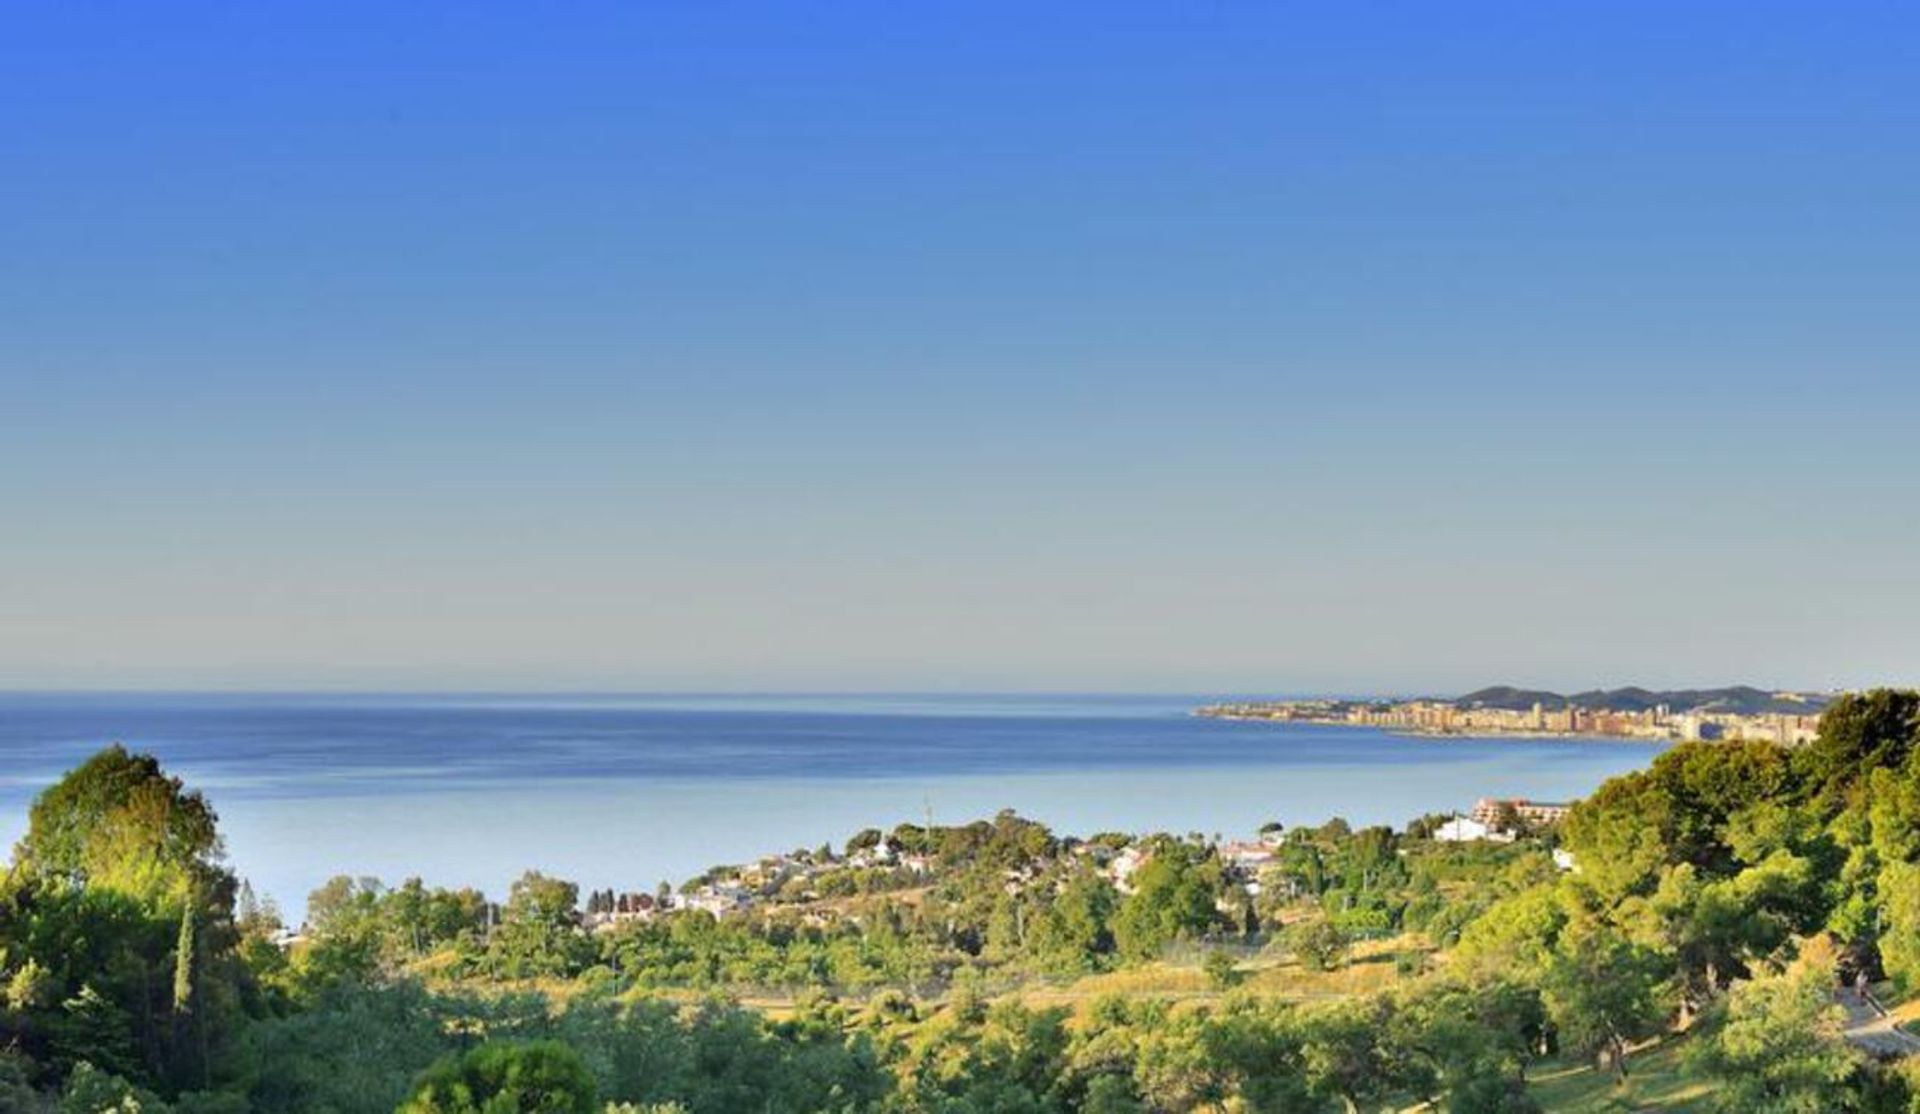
<point x="1247" y="856"/>
<point x="880" y="854"/>
<point x="1465" y="829"/>
<point x="718" y="899"/>
<point x="1124" y="864"/>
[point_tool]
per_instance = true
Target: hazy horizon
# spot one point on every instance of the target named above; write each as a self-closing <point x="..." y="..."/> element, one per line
<point x="560" y="692"/>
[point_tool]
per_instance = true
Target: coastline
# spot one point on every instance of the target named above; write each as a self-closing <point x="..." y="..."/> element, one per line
<point x="1502" y="711"/>
<point x="1484" y="733"/>
<point x="639" y="791"/>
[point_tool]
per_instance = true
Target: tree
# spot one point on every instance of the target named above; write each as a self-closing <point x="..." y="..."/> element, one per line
<point x="1172" y="899"/>
<point x="1344" y="1057"/>
<point x="1777" y="1045"/>
<point x="1111" y="1094"/>
<point x="1679" y="810"/>
<point x="539" y="1077"/>
<point x="1506" y="818"/>
<point x="343" y="920"/>
<point x="1859" y="732"/>
<point x="183" y="965"/>
<point x="116" y="926"/>
<point x="1900" y="939"/>
<point x="118" y="821"/>
<point x="1600" y="993"/>
<point x="1074" y="934"/>
<point x="355" y="1047"/>
<point x="91" y="1029"/>
<point x="1222" y="973"/>
<point x="92" y="1091"/>
<point x="539" y="932"/>
<point x="1621" y="836"/>
<point x="1712" y="930"/>
<point x="1468" y="1043"/>
<point x="1319" y="944"/>
<point x="16" y="1092"/>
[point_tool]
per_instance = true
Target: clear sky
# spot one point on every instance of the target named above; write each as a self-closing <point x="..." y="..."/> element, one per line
<point x="1225" y="347"/>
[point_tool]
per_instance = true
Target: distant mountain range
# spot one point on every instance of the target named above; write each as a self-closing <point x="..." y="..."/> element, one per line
<point x="1736" y="699"/>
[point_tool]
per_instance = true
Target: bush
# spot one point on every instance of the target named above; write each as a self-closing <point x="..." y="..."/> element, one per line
<point x="1221" y="971"/>
<point x="92" y="1091"/>
<point x="545" y="1077"/>
<point x="1319" y="945"/>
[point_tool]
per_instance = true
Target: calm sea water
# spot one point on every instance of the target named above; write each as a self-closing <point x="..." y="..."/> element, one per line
<point x="629" y="790"/>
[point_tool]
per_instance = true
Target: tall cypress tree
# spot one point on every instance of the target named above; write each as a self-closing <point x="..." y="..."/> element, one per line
<point x="183" y="964"/>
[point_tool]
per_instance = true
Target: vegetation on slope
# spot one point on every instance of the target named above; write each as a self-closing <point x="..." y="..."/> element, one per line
<point x="1691" y="961"/>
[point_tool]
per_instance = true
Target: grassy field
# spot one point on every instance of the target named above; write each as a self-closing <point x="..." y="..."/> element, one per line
<point x="1657" y="1080"/>
<point x="1369" y="969"/>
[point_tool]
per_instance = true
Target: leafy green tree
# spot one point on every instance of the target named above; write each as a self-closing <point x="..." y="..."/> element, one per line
<point x="1319" y="944"/>
<point x="1074" y="933"/>
<point x="1514" y="938"/>
<point x="16" y="1086"/>
<point x="537" y="1077"/>
<point x="1621" y="836"/>
<point x="1464" y="1045"/>
<point x="969" y="1058"/>
<point x="352" y="1047"/>
<point x="116" y="922"/>
<point x="1111" y="1094"/>
<point x="1777" y="1045"/>
<point x="1222" y="972"/>
<point x="1006" y="940"/>
<point x="95" y="1030"/>
<point x="1345" y="1058"/>
<point x="1900" y="938"/>
<point x="118" y="821"/>
<point x="1173" y="898"/>
<point x="1252" y="1053"/>
<point x="1860" y="732"/>
<point x="539" y="931"/>
<point x="1601" y="992"/>
<point x="1712" y="930"/>
<point x="92" y="1091"/>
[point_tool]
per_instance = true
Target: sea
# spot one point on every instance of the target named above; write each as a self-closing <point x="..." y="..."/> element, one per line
<point x="626" y="791"/>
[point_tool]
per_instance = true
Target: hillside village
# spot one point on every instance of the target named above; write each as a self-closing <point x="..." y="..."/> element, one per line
<point x="817" y="883"/>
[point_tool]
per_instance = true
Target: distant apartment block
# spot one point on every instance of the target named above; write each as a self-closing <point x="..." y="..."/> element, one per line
<point x="1489" y="810"/>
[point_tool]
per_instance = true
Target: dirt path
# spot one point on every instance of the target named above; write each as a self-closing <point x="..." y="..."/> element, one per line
<point x="1869" y="1027"/>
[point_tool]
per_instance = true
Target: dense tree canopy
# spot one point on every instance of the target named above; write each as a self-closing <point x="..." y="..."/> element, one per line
<point x="539" y="1077"/>
<point x="119" y="822"/>
<point x="116" y="928"/>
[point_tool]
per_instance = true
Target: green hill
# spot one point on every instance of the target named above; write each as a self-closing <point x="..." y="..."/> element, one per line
<point x="1735" y="699"/>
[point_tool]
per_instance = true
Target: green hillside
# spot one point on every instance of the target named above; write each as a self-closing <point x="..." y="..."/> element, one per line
<point x="1735" y="699"/>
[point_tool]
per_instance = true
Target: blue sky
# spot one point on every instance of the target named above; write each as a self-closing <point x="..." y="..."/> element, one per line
<point x="1216" y="347"/>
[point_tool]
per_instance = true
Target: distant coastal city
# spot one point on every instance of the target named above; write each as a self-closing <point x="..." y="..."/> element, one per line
<point x="1738" y="712"/>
